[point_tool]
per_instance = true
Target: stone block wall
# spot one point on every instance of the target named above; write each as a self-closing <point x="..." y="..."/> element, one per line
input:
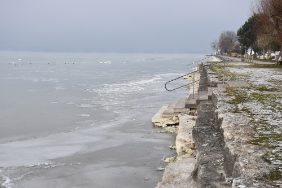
<point x="224" y="158"/>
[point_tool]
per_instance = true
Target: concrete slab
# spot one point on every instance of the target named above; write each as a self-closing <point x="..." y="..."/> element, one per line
<point x="272" y="92"/>
<point x="191" y="103"/>
<point x="191" y="96"/>
<point x="210" y="90"/>
<point x="222" y="85"/>
<point x="202" y="92"/>
<point x="238" y="84"/>
<point x="170" y="110"/>
<point x="178" y="174"/>
<point x="180" y="106"/>
<point x="201" y="98"/>
<point x="158" y="116"/>
<point x="184" y="140"/>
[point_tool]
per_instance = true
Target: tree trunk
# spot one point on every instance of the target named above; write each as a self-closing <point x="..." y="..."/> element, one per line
<point x="280" y="55"/>
<point x="263" y="56"/>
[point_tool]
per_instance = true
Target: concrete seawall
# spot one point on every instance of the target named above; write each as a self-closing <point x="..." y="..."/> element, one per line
<point x="212" y="147"/>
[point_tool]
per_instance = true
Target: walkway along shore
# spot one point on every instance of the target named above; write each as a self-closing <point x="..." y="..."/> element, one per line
<point x="215" y="141"/>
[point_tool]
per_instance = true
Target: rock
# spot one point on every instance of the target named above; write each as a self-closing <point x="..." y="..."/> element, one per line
<point x="160" y="169"/>
<point x="169" y="160"/>
<point x="175" y="118"/>
<point x="170" y="129"/>
<point x="172" y="147"/>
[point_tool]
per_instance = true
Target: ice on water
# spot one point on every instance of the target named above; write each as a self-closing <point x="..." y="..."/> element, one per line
<point x="58" y="108"/>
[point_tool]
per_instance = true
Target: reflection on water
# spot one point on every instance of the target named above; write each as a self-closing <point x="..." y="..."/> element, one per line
<point x="60" y="109"/>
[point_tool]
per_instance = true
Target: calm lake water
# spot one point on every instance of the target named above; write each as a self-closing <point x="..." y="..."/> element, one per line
<point x="84" y="119"/>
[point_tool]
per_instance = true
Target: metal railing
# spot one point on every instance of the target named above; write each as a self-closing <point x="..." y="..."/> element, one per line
<point x="193" y="72"/>
<point x="198" y="61"/>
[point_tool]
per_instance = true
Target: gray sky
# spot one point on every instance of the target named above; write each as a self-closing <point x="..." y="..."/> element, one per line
<point x="143" y="26"/>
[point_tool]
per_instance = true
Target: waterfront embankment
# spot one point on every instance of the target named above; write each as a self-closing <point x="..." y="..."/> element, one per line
<point x="236" y="134"/>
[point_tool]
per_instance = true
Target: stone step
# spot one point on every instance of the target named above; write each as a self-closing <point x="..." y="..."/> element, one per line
<point x="210" y="90"/>
<point x="157" y="118"/>
<point x="201" y="98"/>
<point x="170" y="110"/>
<point x="191" y="103"/>
<point x="180" y="106"/>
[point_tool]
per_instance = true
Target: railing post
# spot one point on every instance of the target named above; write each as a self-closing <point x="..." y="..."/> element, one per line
<point x="224" y="73"/>
<point x="193" y="84"/>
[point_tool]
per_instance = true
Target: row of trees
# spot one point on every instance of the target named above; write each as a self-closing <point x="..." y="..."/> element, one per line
<point x="227" y="42"/>
<point x="261" y="32"/>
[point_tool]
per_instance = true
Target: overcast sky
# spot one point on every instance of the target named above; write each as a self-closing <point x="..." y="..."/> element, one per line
<point x="140" y="26"/>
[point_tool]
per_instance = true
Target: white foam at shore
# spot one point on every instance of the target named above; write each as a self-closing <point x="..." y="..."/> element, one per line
<point x="83" y="115"/>
<point x="8" y="182"/>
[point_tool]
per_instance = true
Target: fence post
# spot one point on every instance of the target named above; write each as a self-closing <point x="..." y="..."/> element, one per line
<point x="224" y="73"/>
<point x="193" y="84"/>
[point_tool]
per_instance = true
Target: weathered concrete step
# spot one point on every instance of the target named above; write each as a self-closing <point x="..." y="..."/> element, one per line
<point x="191" y="103"/>
<point x="203" y="92"/>
<point x="199" y="98"/>
<point x="170" y="110"/>
<point x="180" y="106"/>
<point x="178" y="174"/>
<point x="157" y="118"/>
<point x="210" y="90"/>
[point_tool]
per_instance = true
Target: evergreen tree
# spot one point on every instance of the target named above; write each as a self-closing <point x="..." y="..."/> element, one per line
<point x="274" y="44"/>
<point x="247" y="33"/>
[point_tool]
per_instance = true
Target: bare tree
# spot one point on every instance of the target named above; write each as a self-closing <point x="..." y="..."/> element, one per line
<point x="268" y="14"/>
<point x="227" y="41"/>
<point x="214" y="45"/>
